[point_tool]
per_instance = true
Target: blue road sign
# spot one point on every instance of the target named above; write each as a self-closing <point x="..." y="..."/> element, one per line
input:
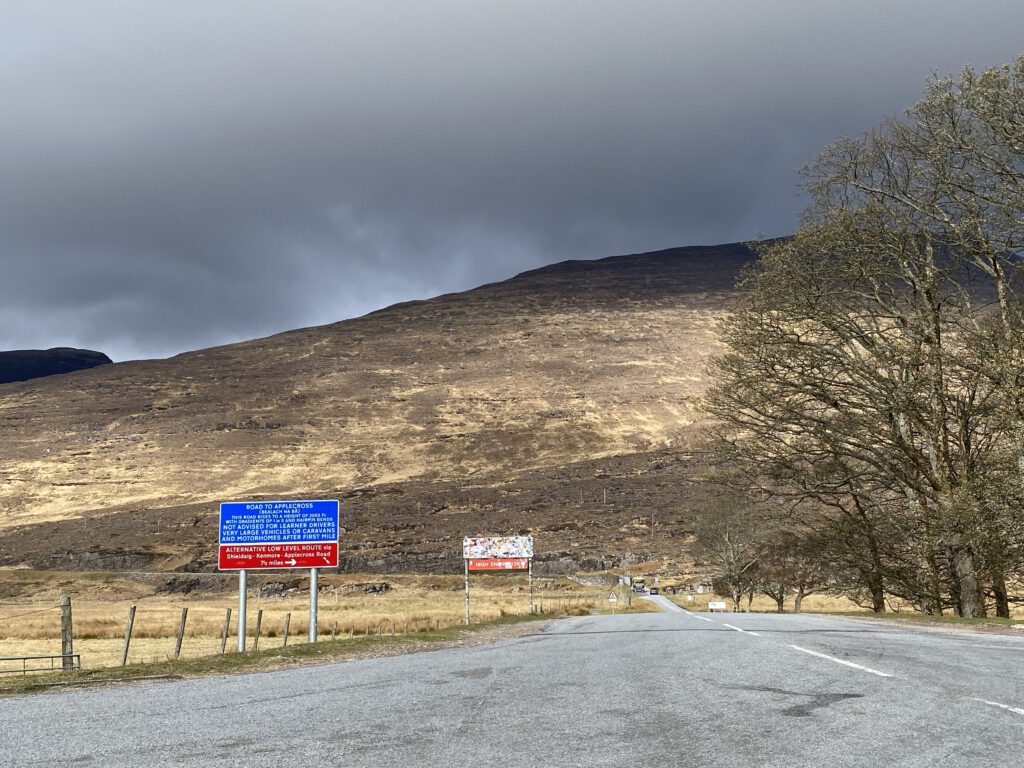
<point x="278" y="522"/>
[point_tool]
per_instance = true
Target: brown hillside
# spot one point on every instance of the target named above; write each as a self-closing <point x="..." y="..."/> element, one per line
<point x="495" y="409"/>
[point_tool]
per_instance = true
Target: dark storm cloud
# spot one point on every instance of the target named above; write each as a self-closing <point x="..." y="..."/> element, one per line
<point x="180" y="175"/>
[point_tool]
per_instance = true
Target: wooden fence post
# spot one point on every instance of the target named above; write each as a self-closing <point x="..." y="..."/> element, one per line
<point x="259" y="621"/>
<point x="287" y="623"/>
<point x="128" y="635"/>
<point x="224" y="634"/>
<point x="334" y="631"/>
<point x="67" y="649"/>
<point x="181" y="632"/>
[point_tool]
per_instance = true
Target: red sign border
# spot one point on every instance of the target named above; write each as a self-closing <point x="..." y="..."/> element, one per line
<point x="497" y="568"/>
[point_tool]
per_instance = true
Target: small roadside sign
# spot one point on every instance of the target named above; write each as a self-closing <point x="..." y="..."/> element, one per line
<point x="612" y="597"/>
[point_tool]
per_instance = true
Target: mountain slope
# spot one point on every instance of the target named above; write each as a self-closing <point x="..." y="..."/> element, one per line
<point x="571" y="363"/>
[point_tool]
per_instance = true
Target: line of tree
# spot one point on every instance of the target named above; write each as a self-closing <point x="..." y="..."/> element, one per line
<point x="751" y="556"/>
<point x="873" y="385"/>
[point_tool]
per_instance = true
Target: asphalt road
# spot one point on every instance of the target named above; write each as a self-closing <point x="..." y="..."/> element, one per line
<point x="669" y="689"/>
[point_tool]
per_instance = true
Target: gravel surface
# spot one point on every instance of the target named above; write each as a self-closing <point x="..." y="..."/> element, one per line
<point x="669" y="689"/>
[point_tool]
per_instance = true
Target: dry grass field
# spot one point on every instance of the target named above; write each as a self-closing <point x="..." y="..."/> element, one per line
<point x="761" y="604"/>
<point x="348" y="606"/>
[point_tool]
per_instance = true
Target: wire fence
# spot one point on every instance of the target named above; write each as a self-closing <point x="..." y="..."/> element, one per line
<point x="107" y="633"/>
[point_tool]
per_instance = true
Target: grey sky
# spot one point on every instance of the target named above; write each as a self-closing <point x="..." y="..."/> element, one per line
<point x="178" y="175"/>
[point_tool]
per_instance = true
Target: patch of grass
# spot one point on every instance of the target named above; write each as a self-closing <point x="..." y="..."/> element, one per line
<point x="257" y="661"/>
<point x="921" y="618"/>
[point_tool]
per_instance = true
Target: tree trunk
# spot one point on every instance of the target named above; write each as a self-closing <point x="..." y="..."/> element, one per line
<point x="935" y="583"/>
<point x="1000" y="594"/>
<point x="874" y="578"/>
<point x="798" y="598"/>
<point x="967" y="582"/>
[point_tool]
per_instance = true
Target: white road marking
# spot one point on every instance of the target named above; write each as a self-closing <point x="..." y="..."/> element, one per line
<point x="1007" y="707"/>
<point x="695" y="616"/>
<point x="841" y="661"/>
<point x="744" y="631"/>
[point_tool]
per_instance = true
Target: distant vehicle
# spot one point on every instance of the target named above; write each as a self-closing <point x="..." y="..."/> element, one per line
<point x="639" y="585"/>
<point x="654" y="590"/>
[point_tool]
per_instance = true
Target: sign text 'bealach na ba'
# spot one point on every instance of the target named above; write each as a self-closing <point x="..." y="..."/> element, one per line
<point x="256" y="535"/>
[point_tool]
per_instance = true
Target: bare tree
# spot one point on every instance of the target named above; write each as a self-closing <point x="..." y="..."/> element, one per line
<point x="867" y="375"/>
<point x="732" y="543"/>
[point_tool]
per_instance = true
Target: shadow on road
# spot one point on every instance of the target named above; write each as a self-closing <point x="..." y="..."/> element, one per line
<point x="803" y="709"/>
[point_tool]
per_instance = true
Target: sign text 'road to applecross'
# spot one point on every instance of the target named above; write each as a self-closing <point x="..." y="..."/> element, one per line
<point x="278" y="534"/>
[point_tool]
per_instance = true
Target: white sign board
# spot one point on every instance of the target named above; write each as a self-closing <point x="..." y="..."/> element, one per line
<point x="716" y="605"/>
<point x="490" y="547"/>
<point x="612" y="597"/>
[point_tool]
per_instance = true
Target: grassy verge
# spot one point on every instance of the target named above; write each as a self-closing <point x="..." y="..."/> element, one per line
<point x="920" y="618"/>
<point x="265" y="660"/>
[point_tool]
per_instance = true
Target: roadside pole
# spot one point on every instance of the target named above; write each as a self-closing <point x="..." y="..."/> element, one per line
<point x="466" y="566"/>
<point x="314" y="591"/>
<point x="243" y="589"/>
<point x="530" y="581"/>
<point x="67" y="648"/>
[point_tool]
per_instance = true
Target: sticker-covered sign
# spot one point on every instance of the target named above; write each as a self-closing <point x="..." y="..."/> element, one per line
<point x="497" y="547"/>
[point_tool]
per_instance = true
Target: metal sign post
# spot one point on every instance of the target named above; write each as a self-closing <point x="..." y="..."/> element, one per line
<point x="530" y="582"/>
<point x="466" y="564"/>
<point x="243" y="590"/>
<point x="314" y="590"/>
